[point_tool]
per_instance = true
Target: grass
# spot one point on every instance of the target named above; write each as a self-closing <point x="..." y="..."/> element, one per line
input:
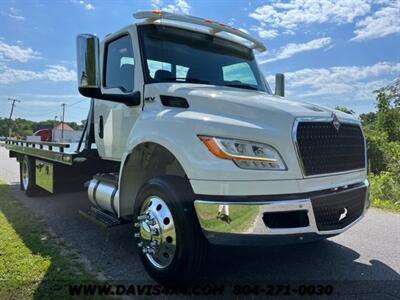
<point x="385" y="191"/>
<point x="34" y="263"/>
<point x="386" y="205"/>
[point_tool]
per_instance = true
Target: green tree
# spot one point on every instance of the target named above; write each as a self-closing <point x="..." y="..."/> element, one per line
<point x="48" y="124"/>
<point x="22" y="127"/>
<point x="388" y="110"/>
<point x="345" y="109"/>
<point x="368" y="119"/>
<point x="382" y="130"/>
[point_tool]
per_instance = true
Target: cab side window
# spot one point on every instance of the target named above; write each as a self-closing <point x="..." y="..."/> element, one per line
<point x="120" y="64"/>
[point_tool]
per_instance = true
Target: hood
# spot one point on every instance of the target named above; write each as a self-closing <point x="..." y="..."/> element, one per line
<point x="245" y="104"/>
<point x="233" y="113"/>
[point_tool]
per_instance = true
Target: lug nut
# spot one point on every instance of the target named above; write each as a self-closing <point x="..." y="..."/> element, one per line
<point x="137" y="235"/>
<point x="143" y="217"/>
<point x="140" y="245"/>
<point x="137" y="225"/>
<point x="151" y="222"/>
<point x="154" y="231"/>
<point x="148" y="250"/>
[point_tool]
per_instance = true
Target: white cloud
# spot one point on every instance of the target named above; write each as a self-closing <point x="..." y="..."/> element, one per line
<point x="179" y="6"/>
<point x="50" y="96"/>
<point x="352" y="83"/>
<point x="15" y="14"/>
<point x="265" y="33"/>
<point x="383" y="22"/>
<point x="231" y="22"/>
<point x="58" y="73"/>
<point x="156" y="3"/>
<point x="52" y="72"/>
<point x="291" y="49"/>
<point x="14" y="52"/>
<point x="289" y="15"/>
<point x="183" y="6"/>
<point x="89" y="6"/>
<point x="16" y="17"/>
<point x="86" y="5"/>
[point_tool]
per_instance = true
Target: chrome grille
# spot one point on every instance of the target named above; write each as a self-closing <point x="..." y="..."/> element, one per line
<point x="323" y="149"/>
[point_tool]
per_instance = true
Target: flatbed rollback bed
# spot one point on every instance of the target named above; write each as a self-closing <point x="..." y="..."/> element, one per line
<point x="58" y="167"/>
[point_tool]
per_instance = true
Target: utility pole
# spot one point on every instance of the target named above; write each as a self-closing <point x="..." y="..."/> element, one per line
<point x="62" y="122"/>
<point x="11" y="113"/>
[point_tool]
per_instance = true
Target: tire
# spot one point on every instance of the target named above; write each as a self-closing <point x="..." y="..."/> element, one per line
<point x="27" y="176"/>
<point x="185" y="264"/>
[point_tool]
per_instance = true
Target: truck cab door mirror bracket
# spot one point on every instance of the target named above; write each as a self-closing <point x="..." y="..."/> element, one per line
<point x="280" y="84"/>
<point x="130" y="99"/>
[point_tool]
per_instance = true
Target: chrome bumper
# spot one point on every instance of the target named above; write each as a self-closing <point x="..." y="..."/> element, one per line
<point x="215" y="218"/>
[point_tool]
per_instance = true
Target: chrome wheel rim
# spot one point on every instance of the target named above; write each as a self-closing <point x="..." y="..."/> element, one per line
<point x="25" y="174"/>
<point x="155" y="232"/>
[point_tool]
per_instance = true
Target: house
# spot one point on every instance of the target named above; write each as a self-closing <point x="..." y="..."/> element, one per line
<point x="64" y="132"/>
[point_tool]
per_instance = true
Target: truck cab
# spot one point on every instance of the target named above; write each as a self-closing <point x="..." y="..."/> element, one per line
<point x="207" y="153"/>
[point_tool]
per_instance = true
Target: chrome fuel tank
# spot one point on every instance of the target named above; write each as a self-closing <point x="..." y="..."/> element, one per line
<point x="104" y="195"/>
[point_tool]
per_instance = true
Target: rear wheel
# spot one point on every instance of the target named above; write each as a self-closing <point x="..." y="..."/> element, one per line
<point x="27" y="176"/>
<point x="169" y="240"/>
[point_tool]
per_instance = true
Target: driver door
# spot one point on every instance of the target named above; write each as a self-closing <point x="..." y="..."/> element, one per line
<point x="114" y="121"/>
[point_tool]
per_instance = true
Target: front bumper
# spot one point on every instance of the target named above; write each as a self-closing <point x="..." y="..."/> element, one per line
<point x="282" y="219"/>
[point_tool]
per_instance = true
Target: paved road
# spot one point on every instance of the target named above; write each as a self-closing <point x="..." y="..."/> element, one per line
<point x="367" y="255"/>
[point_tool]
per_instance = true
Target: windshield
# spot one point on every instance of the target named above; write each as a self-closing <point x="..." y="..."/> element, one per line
<point x="178" y="55"/>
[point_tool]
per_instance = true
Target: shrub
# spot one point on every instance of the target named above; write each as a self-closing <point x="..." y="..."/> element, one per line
<point x="383" y="187"/>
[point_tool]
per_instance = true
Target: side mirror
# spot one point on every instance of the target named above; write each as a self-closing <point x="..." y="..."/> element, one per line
<point x="88" y="50"/>
<point x="88" y="65"/>
<point x="280" y="84"/>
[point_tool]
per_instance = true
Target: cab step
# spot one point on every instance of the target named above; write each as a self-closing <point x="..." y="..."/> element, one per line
<point x="101" y="218"/>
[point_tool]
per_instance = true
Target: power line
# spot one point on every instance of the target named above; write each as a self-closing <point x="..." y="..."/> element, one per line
<point x="37" y="114"/>
<point x="28" y="113"/>
<point x="46" y="112"/>
<point x="77" y="102"/>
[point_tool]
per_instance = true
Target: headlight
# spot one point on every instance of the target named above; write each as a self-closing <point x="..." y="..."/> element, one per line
<point x="246" y="155"/>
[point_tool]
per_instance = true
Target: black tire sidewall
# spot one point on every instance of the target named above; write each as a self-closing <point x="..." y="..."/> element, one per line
<point x="31" y="189"/>
<point x="190" y="241"/>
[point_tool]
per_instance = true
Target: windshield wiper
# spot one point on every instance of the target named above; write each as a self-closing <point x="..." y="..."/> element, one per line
<point x="188" y="80"/>
<point x="241" y="85"/>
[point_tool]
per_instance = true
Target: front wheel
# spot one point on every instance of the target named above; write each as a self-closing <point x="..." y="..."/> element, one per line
<point x="169" y="239"/>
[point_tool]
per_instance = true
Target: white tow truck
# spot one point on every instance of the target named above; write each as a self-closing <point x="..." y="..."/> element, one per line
<point x="185" y="139"/>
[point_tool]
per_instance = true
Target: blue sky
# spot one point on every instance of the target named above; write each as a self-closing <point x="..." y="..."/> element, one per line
<point x="333" y="52"/>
